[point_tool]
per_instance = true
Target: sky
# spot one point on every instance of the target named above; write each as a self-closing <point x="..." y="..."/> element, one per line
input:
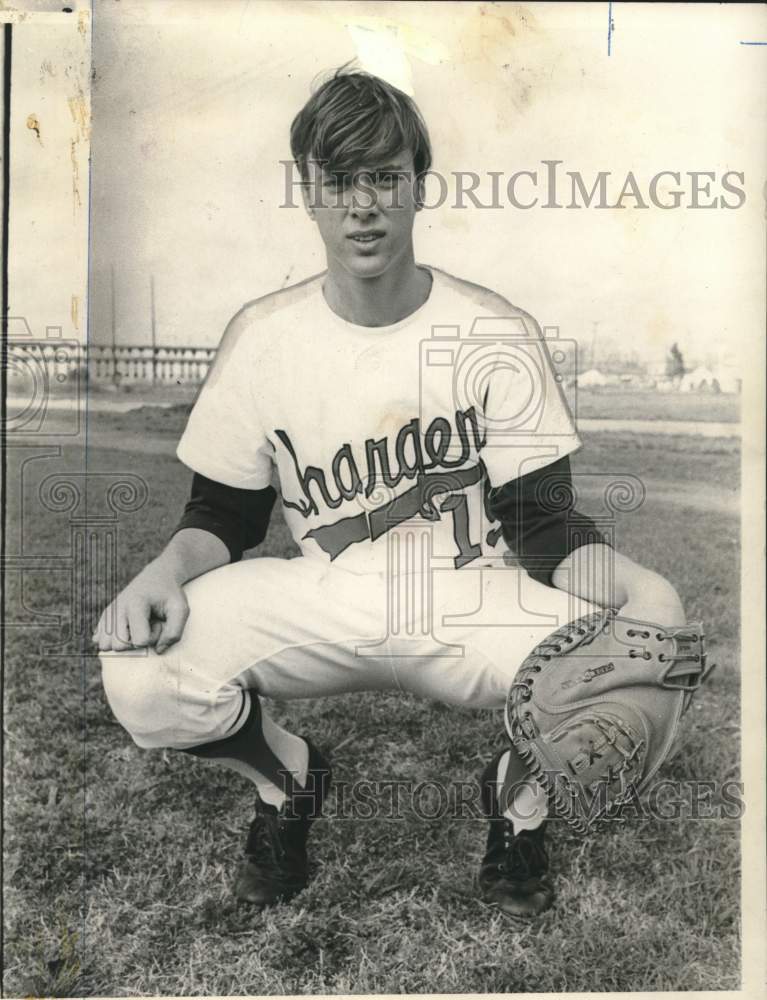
<point x="192" y="103"/>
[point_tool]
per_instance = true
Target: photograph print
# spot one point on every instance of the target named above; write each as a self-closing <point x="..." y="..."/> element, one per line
<point x="383" y="394"/>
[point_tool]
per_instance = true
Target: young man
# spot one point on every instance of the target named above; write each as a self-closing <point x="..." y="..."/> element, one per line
<point x="404" y="410"/>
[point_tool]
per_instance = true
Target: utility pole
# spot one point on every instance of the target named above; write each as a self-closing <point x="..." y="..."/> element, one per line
<point x="154" y="330"/>
<point x="113" y="310"/>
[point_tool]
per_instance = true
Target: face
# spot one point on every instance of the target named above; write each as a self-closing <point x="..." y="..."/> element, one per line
<point x="366" y="218"/>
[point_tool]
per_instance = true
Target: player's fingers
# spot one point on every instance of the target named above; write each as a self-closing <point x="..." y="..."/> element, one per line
<point x="176" y="614"/>
<point x="121" y="637"/>
<point x="139" y="614"/>
<point x="113" y="631"/>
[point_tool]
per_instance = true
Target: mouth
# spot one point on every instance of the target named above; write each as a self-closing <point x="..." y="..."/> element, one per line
<point x="368" y="237"/>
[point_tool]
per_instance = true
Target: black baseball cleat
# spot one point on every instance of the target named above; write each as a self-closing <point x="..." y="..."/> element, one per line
<point x="514" y="871"/>
<point x="275" y="867"/>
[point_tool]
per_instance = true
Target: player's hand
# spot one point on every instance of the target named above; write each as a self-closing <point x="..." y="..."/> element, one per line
<point x="151" y="611"/>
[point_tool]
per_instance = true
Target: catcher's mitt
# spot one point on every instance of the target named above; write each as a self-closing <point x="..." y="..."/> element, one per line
<point x="595" y="707"/>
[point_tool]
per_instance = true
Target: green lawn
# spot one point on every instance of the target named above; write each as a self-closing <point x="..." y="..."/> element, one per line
<point x="118" y="861"/>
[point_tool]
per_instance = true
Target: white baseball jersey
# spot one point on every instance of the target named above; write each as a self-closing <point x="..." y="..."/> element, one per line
<point x="370" y="428"/>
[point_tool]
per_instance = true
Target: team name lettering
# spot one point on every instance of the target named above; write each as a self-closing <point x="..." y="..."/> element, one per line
<point x="414" y="455"/>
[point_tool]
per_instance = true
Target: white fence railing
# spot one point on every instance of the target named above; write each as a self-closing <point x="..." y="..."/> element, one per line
<point x="54" y="361"/>
<point x="176" y="365"/>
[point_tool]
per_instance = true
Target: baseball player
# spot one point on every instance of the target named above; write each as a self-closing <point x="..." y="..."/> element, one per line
<point x="416" y="428"/>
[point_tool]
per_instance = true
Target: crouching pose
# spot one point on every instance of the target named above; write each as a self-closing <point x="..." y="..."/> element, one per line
<point x="418" y="433"/>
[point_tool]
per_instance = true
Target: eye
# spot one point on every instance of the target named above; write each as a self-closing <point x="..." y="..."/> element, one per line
<point x="336" y="181"/>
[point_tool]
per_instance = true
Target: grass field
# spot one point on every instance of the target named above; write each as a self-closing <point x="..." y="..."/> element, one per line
<point x="118" y="861"/>
<point x="647" y="404"/>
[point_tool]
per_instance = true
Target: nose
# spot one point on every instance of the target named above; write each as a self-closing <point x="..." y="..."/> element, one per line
<point x="364" y="199"/>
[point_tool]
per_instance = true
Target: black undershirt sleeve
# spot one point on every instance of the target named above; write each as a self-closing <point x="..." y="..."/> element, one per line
<point x="238" y="517"/>
<point x="539" y="521"/>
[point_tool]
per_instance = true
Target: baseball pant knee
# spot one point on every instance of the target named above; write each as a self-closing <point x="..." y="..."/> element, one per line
<point x="163" y="703"/>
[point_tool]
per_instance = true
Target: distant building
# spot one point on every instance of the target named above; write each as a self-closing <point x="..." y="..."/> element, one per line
<point x="592" y="379"/>
<point x="700" y="379"/>
<point x="664" y="385"/>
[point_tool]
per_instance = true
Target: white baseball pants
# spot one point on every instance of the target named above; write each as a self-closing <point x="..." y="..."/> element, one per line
<point x="301" y="628"/>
